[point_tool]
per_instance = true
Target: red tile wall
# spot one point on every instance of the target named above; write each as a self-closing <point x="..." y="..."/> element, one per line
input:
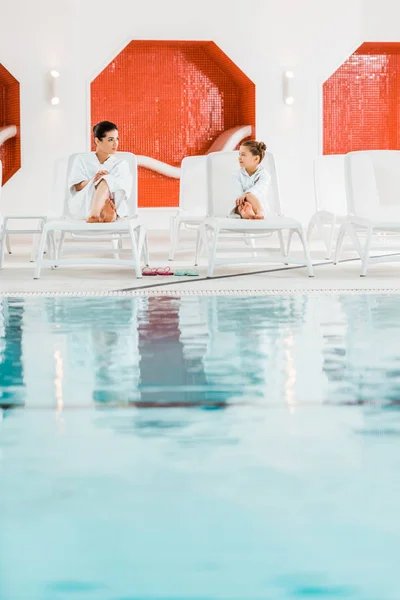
<point x="10" y="151"/>
<point x="361" y="101"/>
<point x="171" y="100"/>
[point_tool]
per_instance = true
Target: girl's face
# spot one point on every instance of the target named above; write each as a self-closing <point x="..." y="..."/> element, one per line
<point x="247" y="160"/>
<point x="109" y="143"/>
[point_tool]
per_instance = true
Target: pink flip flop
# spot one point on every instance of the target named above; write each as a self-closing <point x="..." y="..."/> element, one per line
<point x="164" y="271"/>
<point x="151" y="272"/>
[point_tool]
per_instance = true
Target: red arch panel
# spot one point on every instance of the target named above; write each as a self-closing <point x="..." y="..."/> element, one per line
<point x="10" y="151"/>
<point x="171" y="100"/>
<point x="361" y="101"/>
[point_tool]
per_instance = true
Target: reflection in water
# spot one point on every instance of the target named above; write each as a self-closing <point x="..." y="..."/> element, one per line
<point x="172" y="343"/>
<point x="290" y="350"/>
<point x="362" y="354"/>
<point x="11" y="369"/>
<point x="58" y="381"/>
<point x="258" y="347"/>
<point x="115" y="352"/>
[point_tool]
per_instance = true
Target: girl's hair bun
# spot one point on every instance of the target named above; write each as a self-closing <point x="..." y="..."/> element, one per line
<point x="256" y="148"/>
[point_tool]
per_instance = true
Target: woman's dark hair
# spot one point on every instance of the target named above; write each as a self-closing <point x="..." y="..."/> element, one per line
<point x="256" y="148"/>
<point x="101" y="129"/>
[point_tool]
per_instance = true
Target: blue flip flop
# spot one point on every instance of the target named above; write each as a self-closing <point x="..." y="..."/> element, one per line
<point x="187" y="273"/>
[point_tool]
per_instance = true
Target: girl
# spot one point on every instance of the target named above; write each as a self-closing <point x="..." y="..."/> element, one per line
<point x="251" y="182"/>
<point x="99" y="182"/>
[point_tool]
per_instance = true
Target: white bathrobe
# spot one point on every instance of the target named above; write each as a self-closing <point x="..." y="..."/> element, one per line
<point x="119" y="181"/>
<point x="256" y="184"/>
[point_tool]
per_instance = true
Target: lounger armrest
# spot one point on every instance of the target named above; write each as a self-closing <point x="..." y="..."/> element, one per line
<point x="25" y="217"/>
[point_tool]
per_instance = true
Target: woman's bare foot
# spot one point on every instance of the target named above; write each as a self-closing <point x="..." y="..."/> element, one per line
<point x="108" y="213"/>
<point x="93" y="219"/>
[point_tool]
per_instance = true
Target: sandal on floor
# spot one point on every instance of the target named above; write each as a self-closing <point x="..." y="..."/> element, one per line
<point x="151" y="271"/>
<point x="187" y="273"/>
<point x="164" y="271"/>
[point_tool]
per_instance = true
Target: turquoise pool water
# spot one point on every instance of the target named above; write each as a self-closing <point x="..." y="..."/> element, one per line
<point x="200" y="448"/>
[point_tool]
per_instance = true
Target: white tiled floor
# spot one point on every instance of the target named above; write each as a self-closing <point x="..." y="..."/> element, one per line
<point x="17" y="274"/>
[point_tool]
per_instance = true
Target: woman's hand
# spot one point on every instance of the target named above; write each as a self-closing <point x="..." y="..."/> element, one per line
<point x="79" y="186"/>
<point x="99" y="174"/>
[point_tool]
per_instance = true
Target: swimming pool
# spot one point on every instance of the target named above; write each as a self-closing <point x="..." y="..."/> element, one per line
<point x="200" y="447"/>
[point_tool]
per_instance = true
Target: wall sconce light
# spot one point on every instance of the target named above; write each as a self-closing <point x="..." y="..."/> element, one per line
<point x="54" y="95"/>
<point x="288" y="97"/>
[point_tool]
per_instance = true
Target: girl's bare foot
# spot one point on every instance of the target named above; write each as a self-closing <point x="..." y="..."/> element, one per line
<point x="247" y="212"/>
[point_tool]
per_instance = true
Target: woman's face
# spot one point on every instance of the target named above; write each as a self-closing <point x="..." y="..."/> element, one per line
<point x="109" y="143"/>
<point x="247" y="160"/>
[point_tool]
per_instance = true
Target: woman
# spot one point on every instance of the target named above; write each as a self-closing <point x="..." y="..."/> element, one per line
<point x="99" y="182"/>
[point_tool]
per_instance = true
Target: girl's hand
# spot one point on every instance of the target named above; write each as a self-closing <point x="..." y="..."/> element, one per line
<point x="240" y="201"/>
<point x="99" y="174"/>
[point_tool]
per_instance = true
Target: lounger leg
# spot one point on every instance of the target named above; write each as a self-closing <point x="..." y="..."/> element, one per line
<point x="199" y="244"/>
<point x="306" y="252"/>
<point x="115" y="244"/>
<point x="146" y="249"/>
<point x="147" y="258"/>
<point x="329" y="240"/>
<point x="175" y="230"/>
<point x="250" y="241"/>
<point x="39" y="258"/>
<point x="6" y="238"/>
<point x="135" y="254"/>
<point x="351" y="230"/>
<point x="213" y="255"/>
<point x="339" y="242"/>
<point x="326" y="236"/>
<point x="143" y="248"/>
<point x="289" y="242"/>
<point x="204" y="237"/>
<point x="282" y="245"/>
<point x="171" y="233"/>
<point x="317" y="222"/>
<point x="365" y="258"/>
<point x="60" y="247"/>
<point x="35" y="246"/>
<point x="53" y="246"/>
<point x="310" y="227"/>
<point x="3" y="247"/>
